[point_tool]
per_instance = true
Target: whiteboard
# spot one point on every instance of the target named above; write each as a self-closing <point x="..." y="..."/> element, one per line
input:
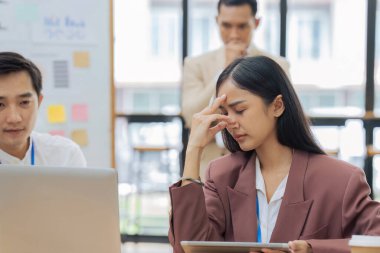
<point x="70" y="41"/>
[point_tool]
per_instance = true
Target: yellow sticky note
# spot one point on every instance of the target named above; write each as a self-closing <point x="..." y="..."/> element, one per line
<point x="81" y="59"/>
<point x="56" y="114"/>
<point x="80" y="136"/>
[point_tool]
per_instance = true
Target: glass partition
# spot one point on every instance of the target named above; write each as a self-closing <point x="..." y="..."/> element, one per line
<point x="326" y="47"/>
<point x="148" y="38"/>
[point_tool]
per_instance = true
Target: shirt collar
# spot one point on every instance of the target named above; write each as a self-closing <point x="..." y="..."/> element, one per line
<point x="260" y="183"/>
<point x="6" y="158"/>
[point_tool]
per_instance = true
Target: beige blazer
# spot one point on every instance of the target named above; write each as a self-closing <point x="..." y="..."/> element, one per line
<point x="199" y="78"/>
<point x="325" y="202"/>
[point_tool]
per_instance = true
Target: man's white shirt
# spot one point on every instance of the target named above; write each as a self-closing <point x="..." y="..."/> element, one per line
<point x="49" y="150"/>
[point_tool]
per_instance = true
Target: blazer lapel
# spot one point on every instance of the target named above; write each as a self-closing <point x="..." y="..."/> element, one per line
<point x="220" y="60"/>
<point x="294" y="209"/>
<point x="242" y="200"/>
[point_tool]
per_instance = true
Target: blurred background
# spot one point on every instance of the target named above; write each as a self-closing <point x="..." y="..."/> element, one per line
<point x="333" y="47"/>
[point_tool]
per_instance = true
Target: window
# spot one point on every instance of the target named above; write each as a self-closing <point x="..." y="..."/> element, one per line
<point x="377" y="61"/>
<point x="165" y="32"/>
<point x="147" y="75"/>
<point x="309" y="27"/>
<point x="376" y="139"/>
<point x="326" y="42"/>
<point x="203" y="31"/>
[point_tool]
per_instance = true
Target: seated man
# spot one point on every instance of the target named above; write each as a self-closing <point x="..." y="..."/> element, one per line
<point x="20" y="98"/>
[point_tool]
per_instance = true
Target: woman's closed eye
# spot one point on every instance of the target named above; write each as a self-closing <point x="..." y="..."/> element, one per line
<point x="239" y="111"/>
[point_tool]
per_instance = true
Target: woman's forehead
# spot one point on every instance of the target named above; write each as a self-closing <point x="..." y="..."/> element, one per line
<point x="230" y="88"/>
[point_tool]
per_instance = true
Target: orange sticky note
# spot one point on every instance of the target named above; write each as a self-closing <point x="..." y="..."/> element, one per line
<point x="80" y="136"/>
<point x="81" y="59"/>
<point x="56" y="114"/>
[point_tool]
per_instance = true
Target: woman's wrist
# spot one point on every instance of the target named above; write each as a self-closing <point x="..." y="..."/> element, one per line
<point x="192" y="163"/>
<point x="191" y="180"/>
<point x="193" y="147"/>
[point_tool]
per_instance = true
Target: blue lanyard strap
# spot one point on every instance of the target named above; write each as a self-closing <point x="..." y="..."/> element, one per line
<point x="32" y="162"/>
<point x="258" y="219"/>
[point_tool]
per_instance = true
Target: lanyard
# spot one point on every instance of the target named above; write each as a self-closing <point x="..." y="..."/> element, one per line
<point x="32" y="161"/>
<point x="32" y="156"/>
<point x="258" y="219"/>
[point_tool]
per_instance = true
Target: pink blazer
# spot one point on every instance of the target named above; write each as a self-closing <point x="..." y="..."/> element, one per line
<point x="325" y="202"/>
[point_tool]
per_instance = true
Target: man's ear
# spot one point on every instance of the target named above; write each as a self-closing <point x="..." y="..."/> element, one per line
<point x="40" y="98"/>
<point x="278" y="106"/>
<point x="257" y="21"/>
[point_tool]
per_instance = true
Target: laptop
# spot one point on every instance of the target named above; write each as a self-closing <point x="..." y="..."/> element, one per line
<point x="230" y="247"/>
<point x="60" y="210"/>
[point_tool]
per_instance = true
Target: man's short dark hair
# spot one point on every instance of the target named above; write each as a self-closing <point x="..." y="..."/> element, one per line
<point x="11" y="62"/>
<point x="251" y="3"/>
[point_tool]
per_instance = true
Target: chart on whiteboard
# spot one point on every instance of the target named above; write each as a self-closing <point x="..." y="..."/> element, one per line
<point x="63" y="24"/>
<point x="49" y="21"/>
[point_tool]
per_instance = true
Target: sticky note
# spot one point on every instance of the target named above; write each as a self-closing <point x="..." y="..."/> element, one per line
<point x="79" y="112"/>
<point x="80" y="136"/>
<point x="56" y="114"/>
<point x="57" y="132"/>
<point x="81" y="59"/>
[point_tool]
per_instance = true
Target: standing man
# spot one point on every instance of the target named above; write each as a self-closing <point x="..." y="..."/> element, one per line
<point x="237" y="23"/>
<point x="20" y="98"/>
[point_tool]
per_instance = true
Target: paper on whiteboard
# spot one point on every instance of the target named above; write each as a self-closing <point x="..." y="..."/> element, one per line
<point x="62" y="24"/>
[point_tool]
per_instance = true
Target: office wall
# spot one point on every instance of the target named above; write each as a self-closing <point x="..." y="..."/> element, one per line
<point x="70" y="41"/>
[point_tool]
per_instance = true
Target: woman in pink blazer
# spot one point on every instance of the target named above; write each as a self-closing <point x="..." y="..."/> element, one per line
<point x="277" y="185"/>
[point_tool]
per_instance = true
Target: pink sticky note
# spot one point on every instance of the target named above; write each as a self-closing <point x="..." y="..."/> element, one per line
<point x="79" y="112"/>
<point x="57" y="132"/>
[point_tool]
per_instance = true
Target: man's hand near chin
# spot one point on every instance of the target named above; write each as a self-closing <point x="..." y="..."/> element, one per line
<point x="235" y="50"/>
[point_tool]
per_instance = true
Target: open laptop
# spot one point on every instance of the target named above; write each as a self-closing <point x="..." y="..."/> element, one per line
<point x="60" y="210"/>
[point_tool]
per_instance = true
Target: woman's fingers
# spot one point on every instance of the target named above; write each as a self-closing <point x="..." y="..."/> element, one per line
<point x="299" y="246"/>
<point x="218" y="127"/>
<point x="211" y="119"/>
<point x="218" y="118"/>
<point x="207" y="123"/>
<point x="215" y="105"/>
<point x="271" y="251"/>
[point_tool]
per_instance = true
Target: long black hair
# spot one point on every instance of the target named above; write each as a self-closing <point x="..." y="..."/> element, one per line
<point x="263" y="77"/>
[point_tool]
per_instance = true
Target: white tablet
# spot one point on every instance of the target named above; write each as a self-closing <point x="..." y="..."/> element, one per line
<point x="230" y="247"/>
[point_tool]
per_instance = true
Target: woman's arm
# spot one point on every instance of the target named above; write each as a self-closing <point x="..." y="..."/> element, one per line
<point x="191" y="218"/>
<point x="204" y="127"/>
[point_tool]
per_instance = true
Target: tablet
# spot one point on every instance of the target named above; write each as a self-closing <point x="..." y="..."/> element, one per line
<point x="230" y="247"/>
